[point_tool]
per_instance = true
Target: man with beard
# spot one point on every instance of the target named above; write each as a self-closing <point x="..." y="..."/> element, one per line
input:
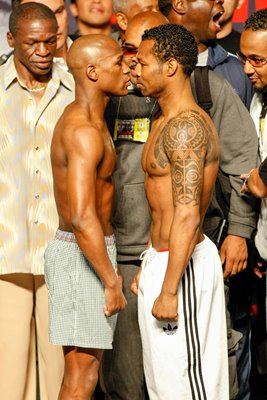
<point x="253" y="54"/>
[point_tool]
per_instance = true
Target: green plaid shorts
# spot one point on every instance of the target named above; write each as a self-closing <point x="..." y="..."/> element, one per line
<point x="76" y="295"/>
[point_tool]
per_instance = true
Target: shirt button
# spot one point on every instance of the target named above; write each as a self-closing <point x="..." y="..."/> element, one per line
<point x="37" y="196"/>
<point x="37" y="171"/>
<point x="36" y="147"/>
<point x="36" y="221"/>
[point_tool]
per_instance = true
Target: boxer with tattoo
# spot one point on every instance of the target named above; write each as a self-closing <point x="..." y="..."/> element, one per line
<point x="180" y="289"/>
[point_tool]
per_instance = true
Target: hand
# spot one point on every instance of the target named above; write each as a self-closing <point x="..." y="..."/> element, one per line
<point x="165" y="307"/>
<point x="234" y="255"/>
<point x="244" y="188"/>
<point x="115" y="300"/>
<point x="135" y="282"/>
<point x="259" y="270"/>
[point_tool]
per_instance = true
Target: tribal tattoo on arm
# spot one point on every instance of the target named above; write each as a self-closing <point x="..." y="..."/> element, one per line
<point x="184" y="143"/>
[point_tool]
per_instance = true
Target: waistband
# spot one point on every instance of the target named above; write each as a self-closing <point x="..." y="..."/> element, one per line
<point x="70" y="237"/>
<point x="200" y="247"/>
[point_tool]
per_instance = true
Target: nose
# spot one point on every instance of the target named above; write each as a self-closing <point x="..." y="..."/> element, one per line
<point x="125" y="68"/>
<point x="137" y="69"/>
<point x="42" y="49"/>
<point x="248" y="68"/>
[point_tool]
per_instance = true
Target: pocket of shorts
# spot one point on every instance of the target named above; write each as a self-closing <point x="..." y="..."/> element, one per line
<point x="49" y="266"/>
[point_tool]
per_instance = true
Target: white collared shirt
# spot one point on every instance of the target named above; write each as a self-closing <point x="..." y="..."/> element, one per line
<point x="28" y="215"/>
<point x="261" y="236"/>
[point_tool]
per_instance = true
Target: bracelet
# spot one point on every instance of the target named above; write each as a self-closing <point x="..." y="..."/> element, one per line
<point x="247" y="177"/>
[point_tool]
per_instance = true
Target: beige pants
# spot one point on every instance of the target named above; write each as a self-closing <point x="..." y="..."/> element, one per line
<point x="23" y="330"/>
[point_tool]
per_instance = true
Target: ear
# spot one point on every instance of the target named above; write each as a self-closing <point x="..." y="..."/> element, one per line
<point x="122" y="21"/>
<point x="10" y="39"/>
<point x="171" y="66"/>
<point x="73" y="9"/>
<point x="91" y="72"/>
<point x="180" y="6"/>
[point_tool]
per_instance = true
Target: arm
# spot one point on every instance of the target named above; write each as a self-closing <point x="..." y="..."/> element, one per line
<point x="235" y="126"/>
<point x="84" y="153"/>
<point x="254" y="184"/>
<point x="187" y="158"/>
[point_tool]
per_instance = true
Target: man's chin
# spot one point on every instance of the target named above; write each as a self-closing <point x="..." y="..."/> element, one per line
<point x="262" y="90"/>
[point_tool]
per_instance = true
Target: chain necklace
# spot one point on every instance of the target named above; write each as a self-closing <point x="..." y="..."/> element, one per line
<point x="39" y="89"/>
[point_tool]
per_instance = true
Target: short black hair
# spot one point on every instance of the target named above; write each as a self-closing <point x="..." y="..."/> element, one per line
<point x="174" y="41"/>
<point x="257" y="21"/>
<point x="15" y="3"/>
<point x="165" y="7"/>
<point x="29" y="11"/>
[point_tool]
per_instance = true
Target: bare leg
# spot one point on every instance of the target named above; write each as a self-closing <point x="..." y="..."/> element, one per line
<point x="81" y="373"/>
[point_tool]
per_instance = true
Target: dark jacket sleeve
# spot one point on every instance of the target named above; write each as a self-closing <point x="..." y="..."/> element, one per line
<point x="238" y="153"/>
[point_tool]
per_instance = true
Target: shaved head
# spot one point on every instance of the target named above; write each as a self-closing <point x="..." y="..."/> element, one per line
<point x="141" y="22"/>
<point x="90" y="49"/>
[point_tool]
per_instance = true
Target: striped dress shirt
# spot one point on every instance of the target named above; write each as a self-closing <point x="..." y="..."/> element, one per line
<point x="28" y="215"/>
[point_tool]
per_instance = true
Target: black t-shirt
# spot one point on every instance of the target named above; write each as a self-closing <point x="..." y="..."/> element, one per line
<point x="230" y="43"/>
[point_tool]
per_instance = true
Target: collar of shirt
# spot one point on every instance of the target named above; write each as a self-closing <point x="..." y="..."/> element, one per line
<point x="59" y="75"/>
<point x="60" y="60"/>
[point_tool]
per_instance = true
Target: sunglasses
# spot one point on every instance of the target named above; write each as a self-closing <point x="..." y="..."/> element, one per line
<point x="129" y="50"/>
<point x="255" y="61"/>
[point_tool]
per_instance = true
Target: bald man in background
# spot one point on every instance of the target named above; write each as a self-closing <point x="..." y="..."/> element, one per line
<point x="80" y="267"/>
<point x="125" y="10"/>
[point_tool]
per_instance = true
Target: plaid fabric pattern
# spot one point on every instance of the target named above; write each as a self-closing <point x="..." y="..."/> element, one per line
<point x="70" y="237"/>
<point x="76" y="296"/>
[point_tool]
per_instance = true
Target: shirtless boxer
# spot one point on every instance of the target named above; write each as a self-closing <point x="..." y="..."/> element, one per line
<point x="180" y="290"/>
<point x="84" y="291"/>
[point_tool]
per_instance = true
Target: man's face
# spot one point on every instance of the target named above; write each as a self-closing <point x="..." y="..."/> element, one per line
<point x="229" y="9"/>
<point x="148" y="70"/>
<point x="34" y="45"/>
<point x="59" y="9"/>
<point x="141" y="6"/>
<point x="201" y="18"/>
<point x="130" y="48"/>
<point x="94" y="12"/>
<point x="114" y="73"/>
<point x="253" y="46"/>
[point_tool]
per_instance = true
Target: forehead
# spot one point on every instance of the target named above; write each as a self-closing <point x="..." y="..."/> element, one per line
<point x="254" y="42"/>
<point x="111" y="51"/>
<point x="142" y="5"/>
<point x="36" y="28"/>
<point x="144" y="50"/>
<point x="134" y="33"/>
<point x="52" y="4"/>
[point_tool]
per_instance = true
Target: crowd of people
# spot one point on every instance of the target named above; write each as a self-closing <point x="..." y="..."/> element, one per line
<point x="133" y="182"/>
